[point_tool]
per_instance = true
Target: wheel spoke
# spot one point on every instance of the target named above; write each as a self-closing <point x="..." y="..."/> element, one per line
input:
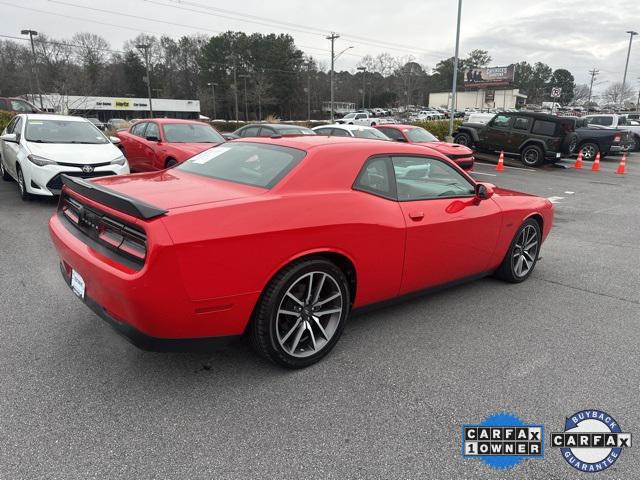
<point x="328" y="299"/>
<point x="319" y="289"/>
<point x="288" y="312"/>
<point x="533" y="242"/>
<point x="518" y="268"/>
<point x="293" y="329"/>
<point x="295" y="299"/>
<point x="311" y="335"/>
<point x="296" y="340"/>
<point x="310" y="288"/>
<point x="320" y="327"/>
<point x="328" y="312"/>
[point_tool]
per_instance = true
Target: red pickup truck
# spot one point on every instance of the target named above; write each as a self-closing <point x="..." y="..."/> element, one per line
<point x="160" y="143"/>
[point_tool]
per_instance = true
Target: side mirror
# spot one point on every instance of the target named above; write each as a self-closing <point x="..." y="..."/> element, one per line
<point x="114" y="140"/>
<point x="484" y="191"/>
<point x="10" y="137"/>
<point x="152" y="138"/>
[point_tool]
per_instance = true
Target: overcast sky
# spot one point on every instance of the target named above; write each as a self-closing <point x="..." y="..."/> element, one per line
<point x="574" y="34"/>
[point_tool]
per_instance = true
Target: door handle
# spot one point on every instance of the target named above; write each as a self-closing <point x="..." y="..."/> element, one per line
<point x="416" y="215"/>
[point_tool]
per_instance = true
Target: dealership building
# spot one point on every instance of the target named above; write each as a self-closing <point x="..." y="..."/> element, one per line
<point x="105" y="108"/>
<point x="481" y="98"/>
<point x="484" y="88"/>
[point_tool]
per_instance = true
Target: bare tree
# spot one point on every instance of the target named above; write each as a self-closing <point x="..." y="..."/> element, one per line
<point x="615" y="95"/>
<point x="580" y="93"/>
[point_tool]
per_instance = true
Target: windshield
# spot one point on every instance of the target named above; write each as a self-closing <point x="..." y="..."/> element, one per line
<point x="349" y="115"/>
<point x="295" y="131"/>
<point x="190" y="133"/>
<point x="420" y="135"/>
<point x="63" y="131"/>
<point x="370" y="133"/>
<point x="253" y="164"/>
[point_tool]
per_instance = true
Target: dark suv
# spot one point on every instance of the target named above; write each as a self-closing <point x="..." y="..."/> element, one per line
<point x="535" y="136"/>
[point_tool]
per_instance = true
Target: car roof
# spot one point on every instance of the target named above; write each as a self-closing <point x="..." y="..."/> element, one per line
<point x="537" y="115"/>
<point x="397" y="126"/>
<point x="170" y="120"/>
<point x="317" y="142"/>
<point x="350" y="128"/>
<point x="50" y="116"/>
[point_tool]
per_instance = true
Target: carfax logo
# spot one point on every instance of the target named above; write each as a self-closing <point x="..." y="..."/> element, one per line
<point x="502" y="441"/>
<point x="592" y="440"/>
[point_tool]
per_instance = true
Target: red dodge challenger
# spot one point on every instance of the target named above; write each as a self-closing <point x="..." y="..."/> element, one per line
<point x="460" y="154"/>
<point x="151" y="145"/>
<point x="282" y="237"/>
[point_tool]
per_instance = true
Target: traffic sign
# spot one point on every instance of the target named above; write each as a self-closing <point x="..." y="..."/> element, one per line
<point x="555" y="92"/>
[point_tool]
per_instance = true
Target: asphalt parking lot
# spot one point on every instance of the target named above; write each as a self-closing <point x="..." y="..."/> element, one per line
<point x="77" y="401"/>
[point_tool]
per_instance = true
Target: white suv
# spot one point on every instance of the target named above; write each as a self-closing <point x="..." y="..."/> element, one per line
<point x="36" y="149"/>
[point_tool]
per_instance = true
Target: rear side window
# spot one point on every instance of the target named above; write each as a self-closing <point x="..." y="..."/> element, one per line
<point x="249" y="132"/>
<point x="521" y="123"/>
<point x="323" y="131"/>
<point x="542" y="127"/>
<point x="152" y="130"/>
<point x="376" y="178"/>
<point x="253" y="164"/>
<point x="138" y="129"/>
<point x="601" y="120"/>
<point x="338" y="132"/>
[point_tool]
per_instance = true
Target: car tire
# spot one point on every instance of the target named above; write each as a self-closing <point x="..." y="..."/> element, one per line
<point x="532" y="156"/>
<point x="513" y="269"/>
<point x="171" y="162"/>
<point x="463" y="138"/>
<point x="373" y="124"/>
<point x="22" y="187"/>
<point x="286" y="326"/>
<point x="589" y="151"/>
<point x="5" y="175"/>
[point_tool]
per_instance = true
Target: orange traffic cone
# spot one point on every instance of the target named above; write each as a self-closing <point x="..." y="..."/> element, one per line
<point x="596" y="163"/>
<point x="578" y="163"/>
<point x="500" y="166"/>
<point x="622" y="165"/>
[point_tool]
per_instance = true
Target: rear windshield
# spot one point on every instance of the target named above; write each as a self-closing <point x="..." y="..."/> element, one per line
<point x="295" y="131"/>
<point x="370" y="133"/>
<point x="190" y="133"/>
<point x="253" y="164"/>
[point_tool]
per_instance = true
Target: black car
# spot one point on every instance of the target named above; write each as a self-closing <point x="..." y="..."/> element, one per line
<point x="591" y="139"/>
<point x="268" y="130"/>
<point x="535" y="136"/>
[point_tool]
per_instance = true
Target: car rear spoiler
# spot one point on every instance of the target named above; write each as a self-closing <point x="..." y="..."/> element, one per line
<point x="111" y="198"/>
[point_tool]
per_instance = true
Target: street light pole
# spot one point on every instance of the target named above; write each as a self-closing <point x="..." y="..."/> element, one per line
<point x="364" y="72"/>
<point x="213" y="95"/>
<point x="145" y="47"/>
<point x="626" y="66"/>
<point x="333" y="37"/>
<point x="308" y="64"/>
<point x="33" y="33"/>
<point x="246" y="109"/>
<point x="455" y="71"/>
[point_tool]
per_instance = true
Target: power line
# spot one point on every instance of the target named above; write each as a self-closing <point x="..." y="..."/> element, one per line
<point x="293" y="26"/>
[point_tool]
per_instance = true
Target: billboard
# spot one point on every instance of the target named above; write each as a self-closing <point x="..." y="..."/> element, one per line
<point x="488" y="76"/>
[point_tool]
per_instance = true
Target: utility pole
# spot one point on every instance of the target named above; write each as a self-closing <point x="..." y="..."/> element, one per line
<point x="235" y="84"/>
<point x="364" y="72"/>
<point x="213" y="96"/>
<point x="333" y="37"/>
<point x="638" y="101"/>
<point x="593" y="74"/>
<point x="308" y="64"/>
<point x="454" y="85"/>
<point x="33" y="33"/>
<point x="145" y="47"/>
<point x="626" y="66"/>
<point x="246" y="109"/>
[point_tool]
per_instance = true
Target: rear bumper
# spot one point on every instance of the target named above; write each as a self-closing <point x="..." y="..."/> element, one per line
<point x="151" y="305"/>
<point x="147" y="342"/>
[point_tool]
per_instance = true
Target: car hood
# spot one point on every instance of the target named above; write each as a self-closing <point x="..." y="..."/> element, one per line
<point x="448" y="148"/>
<point x="172" y="188"/>
<point x="78" y="153"/>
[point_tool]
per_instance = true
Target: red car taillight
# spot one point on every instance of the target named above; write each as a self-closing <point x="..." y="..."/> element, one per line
<point x="114" y="234"/>
<point x="617" y="139"/>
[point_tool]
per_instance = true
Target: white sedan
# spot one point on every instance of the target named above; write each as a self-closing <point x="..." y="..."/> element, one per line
<point x="36" y="149"/>
<point x="341" y="130"/>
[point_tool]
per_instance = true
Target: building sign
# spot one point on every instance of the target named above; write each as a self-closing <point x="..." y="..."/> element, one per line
<point x="490" y="96"/>
<point x="489" y="76"/>
<point x="119" y="103"/>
